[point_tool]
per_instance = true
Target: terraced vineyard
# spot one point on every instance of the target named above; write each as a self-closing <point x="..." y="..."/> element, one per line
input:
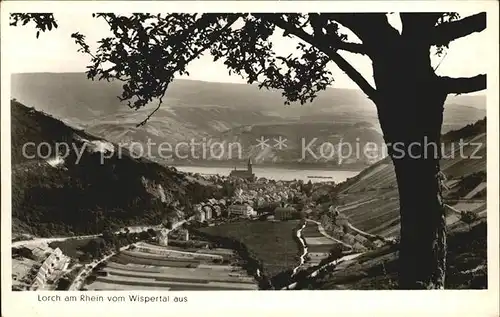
<point x="371" y="201"/>
<point x="372" y="215"/>
<point x="318" y="246"/>
<point x="153" y="267"/>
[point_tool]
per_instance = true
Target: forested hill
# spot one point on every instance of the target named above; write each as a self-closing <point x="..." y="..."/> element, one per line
<point x="61" y="195"/>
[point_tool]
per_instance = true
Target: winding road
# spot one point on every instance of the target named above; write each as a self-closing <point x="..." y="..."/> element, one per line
<point x="77" y="282"/>
<point x="323" y="232"/>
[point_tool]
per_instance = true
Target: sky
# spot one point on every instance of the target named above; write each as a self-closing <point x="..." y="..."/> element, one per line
<point x="55" y="51"/>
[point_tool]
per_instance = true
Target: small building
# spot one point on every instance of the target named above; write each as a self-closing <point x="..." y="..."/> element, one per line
<point x="285" y="213"/>
<point x="260" y="201"/>
<point x="358" y="247"/>
<point x="244" y="174"/>
<point x="54" y="265"/>
<point x="241" y="210"/>
<point x="338" y="232"/>
<point x="197" y="208"/>
<point x="359" y="238"/>
<point x="200" y="215"/>
<point x="184" y="235"/>
<point x="342" y="220"/>
<point x="218" y="210"/>
<point x="163" y="237"/>
<point x="308" y="211"/>
<point x="349" y="239"/>
<point x="208" y="212"/>
<point x="333" y="211"/>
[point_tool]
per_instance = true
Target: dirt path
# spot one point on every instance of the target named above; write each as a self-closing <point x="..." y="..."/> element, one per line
<point x="354" y="205"/>
<point x="79" y="279"/>
<point x="304" y="249"/>
<point x="323" y="232"/>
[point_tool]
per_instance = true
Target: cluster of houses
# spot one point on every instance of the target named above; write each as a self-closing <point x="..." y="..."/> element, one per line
<point x="259" y="195"/>
<point x="250" y="197"/>
<point x="210" y="209"/>
<point x="285" y="213"/>
<point x="214" y="208"/>
<point x="252" y="194"/>
<point x="53" y="266"/>
<point x="338" y="224"/>
<point x="163" y="235"/>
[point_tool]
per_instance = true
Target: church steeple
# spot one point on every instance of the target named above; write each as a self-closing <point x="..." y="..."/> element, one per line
<point x="249" y="165"/>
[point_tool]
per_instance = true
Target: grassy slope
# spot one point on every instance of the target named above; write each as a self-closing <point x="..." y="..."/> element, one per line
<point x="378" y="182"/>
<point x="85" y="197"/>
<point x="467" y="251"/>
<point x="271" y="242"/>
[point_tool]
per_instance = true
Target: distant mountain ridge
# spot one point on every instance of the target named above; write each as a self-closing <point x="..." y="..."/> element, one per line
<point x="218" y="111"/>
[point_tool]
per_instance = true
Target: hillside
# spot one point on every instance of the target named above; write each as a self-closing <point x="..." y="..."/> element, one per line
<point x="374" y="190"/>
<point x="377" y="270"/>
<point x="79" y="192"/>
<point x="219" y="111"/>
<point x="369" y="201"/>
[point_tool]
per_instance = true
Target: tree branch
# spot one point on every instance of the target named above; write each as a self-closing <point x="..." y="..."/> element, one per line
<point x="212" y="37"/>
<point x="143" y="122"/>
<point x="449" y="31"/>
<point x="317" y="24"/>
<point x="415" y="23"/>
<point x="326" y="49"/>
<point x="349" y="47"/>
<point x="373" y="29"/>
<point x="463" y="85"/>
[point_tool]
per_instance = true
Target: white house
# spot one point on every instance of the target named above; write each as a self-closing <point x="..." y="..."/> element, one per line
<point x="241" y="210"/>
<point x="200" y="215"/>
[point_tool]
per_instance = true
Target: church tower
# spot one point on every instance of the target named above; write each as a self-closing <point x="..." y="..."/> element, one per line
<point x="249" y="168"/>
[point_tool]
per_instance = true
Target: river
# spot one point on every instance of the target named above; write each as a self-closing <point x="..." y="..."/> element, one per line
<point x="284" y="174"/>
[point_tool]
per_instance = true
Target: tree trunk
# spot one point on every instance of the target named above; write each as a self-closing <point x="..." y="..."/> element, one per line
<point x="423" y="228"/>
<point x="415" y="151"/>
<point x="410" y="108"/>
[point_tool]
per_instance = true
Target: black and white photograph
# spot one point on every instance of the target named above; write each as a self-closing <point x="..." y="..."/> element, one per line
<point x="238" y="151"/>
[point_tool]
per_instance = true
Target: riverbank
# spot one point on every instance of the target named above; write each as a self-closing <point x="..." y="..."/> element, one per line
<point x="289" y="166"/>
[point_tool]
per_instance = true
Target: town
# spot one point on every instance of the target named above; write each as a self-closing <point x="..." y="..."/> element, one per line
<point x="284" y="205"/>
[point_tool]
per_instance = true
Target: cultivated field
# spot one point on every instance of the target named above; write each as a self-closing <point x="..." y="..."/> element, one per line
<point x="153" y="267"/>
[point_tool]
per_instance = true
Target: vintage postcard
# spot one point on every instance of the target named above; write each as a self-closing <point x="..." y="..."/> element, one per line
<point x="249" y="157"/>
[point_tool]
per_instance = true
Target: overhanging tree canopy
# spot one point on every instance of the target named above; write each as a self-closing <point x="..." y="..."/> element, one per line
<point x="147" y="51"/>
